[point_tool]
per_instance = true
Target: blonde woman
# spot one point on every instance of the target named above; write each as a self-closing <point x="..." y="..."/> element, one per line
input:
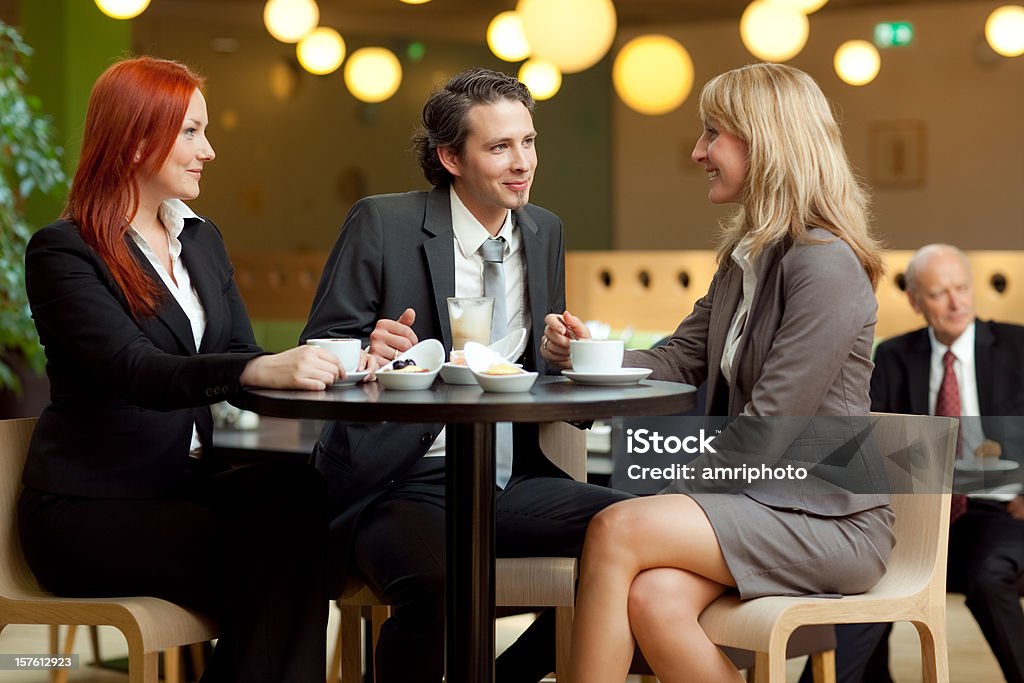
<point x="784" y="331"/>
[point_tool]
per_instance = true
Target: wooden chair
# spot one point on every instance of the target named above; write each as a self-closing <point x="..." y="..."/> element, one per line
<point x="150" y="625"/>
<point x="519" y="581"/>
<point x="919" y="452"/>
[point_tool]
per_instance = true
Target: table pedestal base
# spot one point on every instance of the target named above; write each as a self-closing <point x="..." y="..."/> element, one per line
<point x="469" y="579"/>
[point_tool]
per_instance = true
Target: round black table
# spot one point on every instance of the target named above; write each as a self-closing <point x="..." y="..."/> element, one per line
<point x="470" y="414"/>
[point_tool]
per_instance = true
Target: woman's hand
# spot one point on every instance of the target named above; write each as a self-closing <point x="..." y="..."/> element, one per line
<point x="369" y="363"/>
<point x="304" y="367"/>
<point x="559" y="330"/>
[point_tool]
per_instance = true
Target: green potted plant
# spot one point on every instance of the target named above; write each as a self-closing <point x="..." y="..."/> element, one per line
<point x="29" y="163"/>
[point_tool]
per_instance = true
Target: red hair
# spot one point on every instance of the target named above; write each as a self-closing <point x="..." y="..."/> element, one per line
<point x="136" y="107"/>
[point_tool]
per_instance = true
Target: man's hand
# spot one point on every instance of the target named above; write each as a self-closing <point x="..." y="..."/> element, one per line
<point x="559" y="330"/>
<point x="391" y="337"/>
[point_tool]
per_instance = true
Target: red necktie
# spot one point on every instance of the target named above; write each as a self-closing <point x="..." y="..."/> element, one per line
<point x="947" y="404"/>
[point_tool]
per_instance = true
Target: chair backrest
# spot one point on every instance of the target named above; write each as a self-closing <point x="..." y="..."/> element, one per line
<point x="566" y="446"/>
<point x="918" y="451"/>
<point x="15" y="576"/>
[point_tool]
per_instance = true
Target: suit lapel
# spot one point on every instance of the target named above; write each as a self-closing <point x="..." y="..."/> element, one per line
<point x="918" y="372"/>
<point x="202" y="272"/>
<point x="727" y="297"/>
<point x="535" y="253"/>
<point x="439" y="248"/>
<point x="168" y="311"/>
<point x="983" y="369"/>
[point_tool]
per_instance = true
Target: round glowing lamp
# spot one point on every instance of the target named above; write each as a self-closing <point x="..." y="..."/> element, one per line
<point x="541" y="77"/>
<point x="322" y="51"/>
<point x="290" y="20"/>
<point x="653" y="74"/>
<point x="805" y="6"/>
<point x="857" y="62"/>
<point x="571" y="34"/>
<point x="122" y="9"/>
<point x="772" y="32"/>
<point x="1004" y="30"/>
<point x="373" y="74"/>
<point x="506" y="38"/>
<point x="415" y="2"/>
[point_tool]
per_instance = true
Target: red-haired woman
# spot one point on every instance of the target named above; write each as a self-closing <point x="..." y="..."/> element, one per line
<point x="134" y="300"/>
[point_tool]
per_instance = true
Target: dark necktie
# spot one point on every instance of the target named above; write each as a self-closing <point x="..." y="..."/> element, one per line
<point x="947" y="404"/>
<point x="493" y="252"/>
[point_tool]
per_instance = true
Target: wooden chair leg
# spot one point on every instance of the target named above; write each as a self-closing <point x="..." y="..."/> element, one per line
<point x="197" y="653"/>
<point x="934" y="652"/>
<point x="143" y="667"/>
<point x="378" y="615"/>
<point x="563" y="641"/>
<point x="768" y="669"/>
<point x="823" y="666"/>
<point x="351" y="648"/>
<point x="61" y="675"/>
<point x="94" y="638"/>
<point x="172" y="665"/>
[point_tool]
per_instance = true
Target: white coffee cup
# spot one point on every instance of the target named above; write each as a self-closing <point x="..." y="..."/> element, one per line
<point x="345" y="350"/>
<point x="595" y="355"/>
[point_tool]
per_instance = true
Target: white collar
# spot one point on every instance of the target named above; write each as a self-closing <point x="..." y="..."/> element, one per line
<point x="962" y="347"/>
<point x="172" y="213"/>
<point x="470" y="233"/>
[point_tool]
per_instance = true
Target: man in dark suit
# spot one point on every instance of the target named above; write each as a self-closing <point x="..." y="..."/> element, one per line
<point x="986" y="538"/>
<point x="386" y="282"/>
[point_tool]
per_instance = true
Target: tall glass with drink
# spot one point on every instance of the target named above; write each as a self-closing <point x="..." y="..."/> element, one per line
<point x="471" y="320"/>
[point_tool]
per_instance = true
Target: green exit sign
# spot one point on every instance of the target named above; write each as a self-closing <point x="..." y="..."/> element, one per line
<point x="894" y="34"/>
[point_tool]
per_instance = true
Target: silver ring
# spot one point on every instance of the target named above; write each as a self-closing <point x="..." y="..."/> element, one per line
<point x="394" y="356"/>
<point x="544" y="343"/>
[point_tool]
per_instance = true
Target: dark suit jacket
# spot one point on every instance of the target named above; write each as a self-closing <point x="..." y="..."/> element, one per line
<point x="124" y="392"/>
<point x="395" y="252"/>
<point x="813" y="301"/>
<point x="902" y="365"/>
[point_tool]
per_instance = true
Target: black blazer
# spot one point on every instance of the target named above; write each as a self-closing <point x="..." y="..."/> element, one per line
<point x="396" y="252"/>
<point x="124" y="393"/>
<point x="899" y="383"/>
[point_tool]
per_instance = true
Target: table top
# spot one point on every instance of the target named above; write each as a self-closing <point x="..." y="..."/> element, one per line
<point x="550" y="399"/>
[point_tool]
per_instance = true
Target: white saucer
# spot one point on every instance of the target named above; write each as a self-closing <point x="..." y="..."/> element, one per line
<point x="985" y="465"/>
<point x="1002" y="494"/>
<point x="609" y="377"/>
<point x="351" y="378"/>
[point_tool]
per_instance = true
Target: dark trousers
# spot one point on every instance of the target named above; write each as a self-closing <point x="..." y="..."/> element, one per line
<point x="986" y="562"/>
<point x="399" y="551"/>
<point x="246" y="546"/>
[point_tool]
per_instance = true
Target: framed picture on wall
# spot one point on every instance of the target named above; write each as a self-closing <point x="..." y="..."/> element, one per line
<point x="898" y="153"/>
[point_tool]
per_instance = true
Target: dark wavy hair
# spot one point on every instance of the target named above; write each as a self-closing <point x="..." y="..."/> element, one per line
<point x="446" y="110"/>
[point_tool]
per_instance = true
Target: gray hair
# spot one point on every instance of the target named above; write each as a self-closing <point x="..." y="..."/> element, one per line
<point x="924" y="255"/>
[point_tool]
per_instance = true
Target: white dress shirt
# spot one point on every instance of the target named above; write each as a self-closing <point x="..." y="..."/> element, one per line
<point x="172" y="215"/>
<point x="967" y="382"/>
<point x="470" y="235"/>
<point x="741" y="255"/>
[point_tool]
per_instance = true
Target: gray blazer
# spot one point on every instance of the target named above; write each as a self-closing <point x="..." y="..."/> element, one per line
<point x="813" y="302"/>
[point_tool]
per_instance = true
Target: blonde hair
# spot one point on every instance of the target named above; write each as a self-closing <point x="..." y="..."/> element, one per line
<point x="798" y="176"/>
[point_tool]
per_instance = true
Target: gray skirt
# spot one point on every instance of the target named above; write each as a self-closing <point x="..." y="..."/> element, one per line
<point x="790" y="552"/>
